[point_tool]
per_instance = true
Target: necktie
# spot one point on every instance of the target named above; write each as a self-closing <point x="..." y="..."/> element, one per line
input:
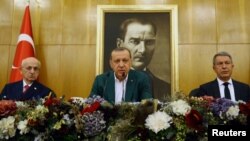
<point x="226" y="91"/>
<point x="25" y="88"/>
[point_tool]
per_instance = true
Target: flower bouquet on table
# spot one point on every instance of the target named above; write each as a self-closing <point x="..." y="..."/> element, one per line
<point x="7" y="126"/>
<point x="129" y="123"/>
<point x="91" y="121"/>
<point x="186" y="118"/>
<point x="51" y="119"/>
<point x="93" y="118"/>
<point x="44" y="119"/>
<point x="192" y="115"/>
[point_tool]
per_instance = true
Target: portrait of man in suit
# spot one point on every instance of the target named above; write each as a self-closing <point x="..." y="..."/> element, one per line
<point x="147" y="36"/>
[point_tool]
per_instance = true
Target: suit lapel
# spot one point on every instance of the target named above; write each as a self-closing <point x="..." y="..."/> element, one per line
<point x="237" y="91"/>
<point x="130" y="86"/>
<point x="216" y="88"/>
<point x="19" y="90"/>
<point x="110" y="92"/>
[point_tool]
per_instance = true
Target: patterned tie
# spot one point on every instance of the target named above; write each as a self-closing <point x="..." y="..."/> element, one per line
<point x="25" y="88"/>
<point x="226" y="91"/>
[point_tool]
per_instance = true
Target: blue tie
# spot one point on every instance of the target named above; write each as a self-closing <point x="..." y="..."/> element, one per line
<point x="226" y="91"/>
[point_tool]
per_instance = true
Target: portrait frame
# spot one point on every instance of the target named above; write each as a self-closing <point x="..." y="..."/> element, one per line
<point x="108" y="19"/>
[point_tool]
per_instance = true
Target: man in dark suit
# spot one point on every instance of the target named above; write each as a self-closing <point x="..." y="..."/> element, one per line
<point x="122" y="84"/>
<point x="139" y="36"/>
<point x="224" y="85"/>
<point x="28" y="88"/>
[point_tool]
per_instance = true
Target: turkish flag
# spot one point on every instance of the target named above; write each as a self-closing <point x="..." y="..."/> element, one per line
<point x="25" y="46"/>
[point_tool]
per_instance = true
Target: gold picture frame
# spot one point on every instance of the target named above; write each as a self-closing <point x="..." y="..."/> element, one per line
<point x="164" y="63"/>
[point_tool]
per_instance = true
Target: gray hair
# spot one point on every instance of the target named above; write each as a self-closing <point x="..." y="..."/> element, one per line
<point x="222" y="53"/>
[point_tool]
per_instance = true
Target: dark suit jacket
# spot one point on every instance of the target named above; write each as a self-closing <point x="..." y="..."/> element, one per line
<point x="14" y="91"/>
<point x="161" y="89"/>
<point x="241" y="90"/>
<point x="137" y="87"/>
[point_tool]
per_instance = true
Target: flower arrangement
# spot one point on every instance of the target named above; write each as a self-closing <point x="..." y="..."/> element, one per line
<point x="183" y="118"/>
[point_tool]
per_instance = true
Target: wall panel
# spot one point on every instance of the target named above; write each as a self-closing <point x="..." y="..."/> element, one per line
<point x="79" y="22"/>
<point x="197" y="21"/>
<point x="233" y="21"/>
<point x="48" y="23"/>
<point x="78" y="69"/>
<point x="50" y="74"/>
<point x="6" y="12"/>
<point x="195" y="65"/>
<point x="4" y="50"/>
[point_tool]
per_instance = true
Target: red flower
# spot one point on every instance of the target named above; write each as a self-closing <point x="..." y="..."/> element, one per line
<point x="51" y="101"/>
<point x="194" y="120"/>
<point x="91" y="108"/>
<point x="7" y="107"/>
<point x="32" y="122"/>
<point x="245" y="108"/>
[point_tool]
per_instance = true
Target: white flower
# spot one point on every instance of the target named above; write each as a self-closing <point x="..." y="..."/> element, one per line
<point x="22" y="126"/>
<point x="158" y="121"/>
<point x="232" y="112"/>
<point x="39" y="112"/>
<point x="67" y="120"/>
<point x="180" y="107"/>
<point x="21" y="104"/>
<point x="7" y="127"/>
<point x="78" y="100"/>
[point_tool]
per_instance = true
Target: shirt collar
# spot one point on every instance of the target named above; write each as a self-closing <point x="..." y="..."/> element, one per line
<point x="116" y="79"/>
<point x="221" y="82"/>
<point x="24" y="83"/>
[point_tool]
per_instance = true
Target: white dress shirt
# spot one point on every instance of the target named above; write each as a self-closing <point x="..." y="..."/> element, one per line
<point x="120" y="90"/>
<point x="230" y="86"/>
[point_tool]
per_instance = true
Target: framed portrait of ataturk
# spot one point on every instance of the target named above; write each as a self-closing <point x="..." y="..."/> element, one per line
<point x="151" y="34"/>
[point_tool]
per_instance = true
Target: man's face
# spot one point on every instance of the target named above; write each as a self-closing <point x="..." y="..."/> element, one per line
<point x="140" y="40"/>
<point x="30" y="70"/>
<point x="223" y="67"/>
<point x="120" y="62"/>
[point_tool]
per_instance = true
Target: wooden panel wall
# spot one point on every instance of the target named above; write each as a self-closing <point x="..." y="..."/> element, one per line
<point x="65" y="37"/>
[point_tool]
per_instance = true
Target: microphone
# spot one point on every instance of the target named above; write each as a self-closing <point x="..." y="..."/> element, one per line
<point x="123" y="74"/>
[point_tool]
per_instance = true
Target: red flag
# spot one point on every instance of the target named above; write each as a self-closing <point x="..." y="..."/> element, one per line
<point x="25" y="46"/>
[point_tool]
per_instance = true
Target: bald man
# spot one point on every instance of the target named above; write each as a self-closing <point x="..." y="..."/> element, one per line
<point x="28" y="88"/>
